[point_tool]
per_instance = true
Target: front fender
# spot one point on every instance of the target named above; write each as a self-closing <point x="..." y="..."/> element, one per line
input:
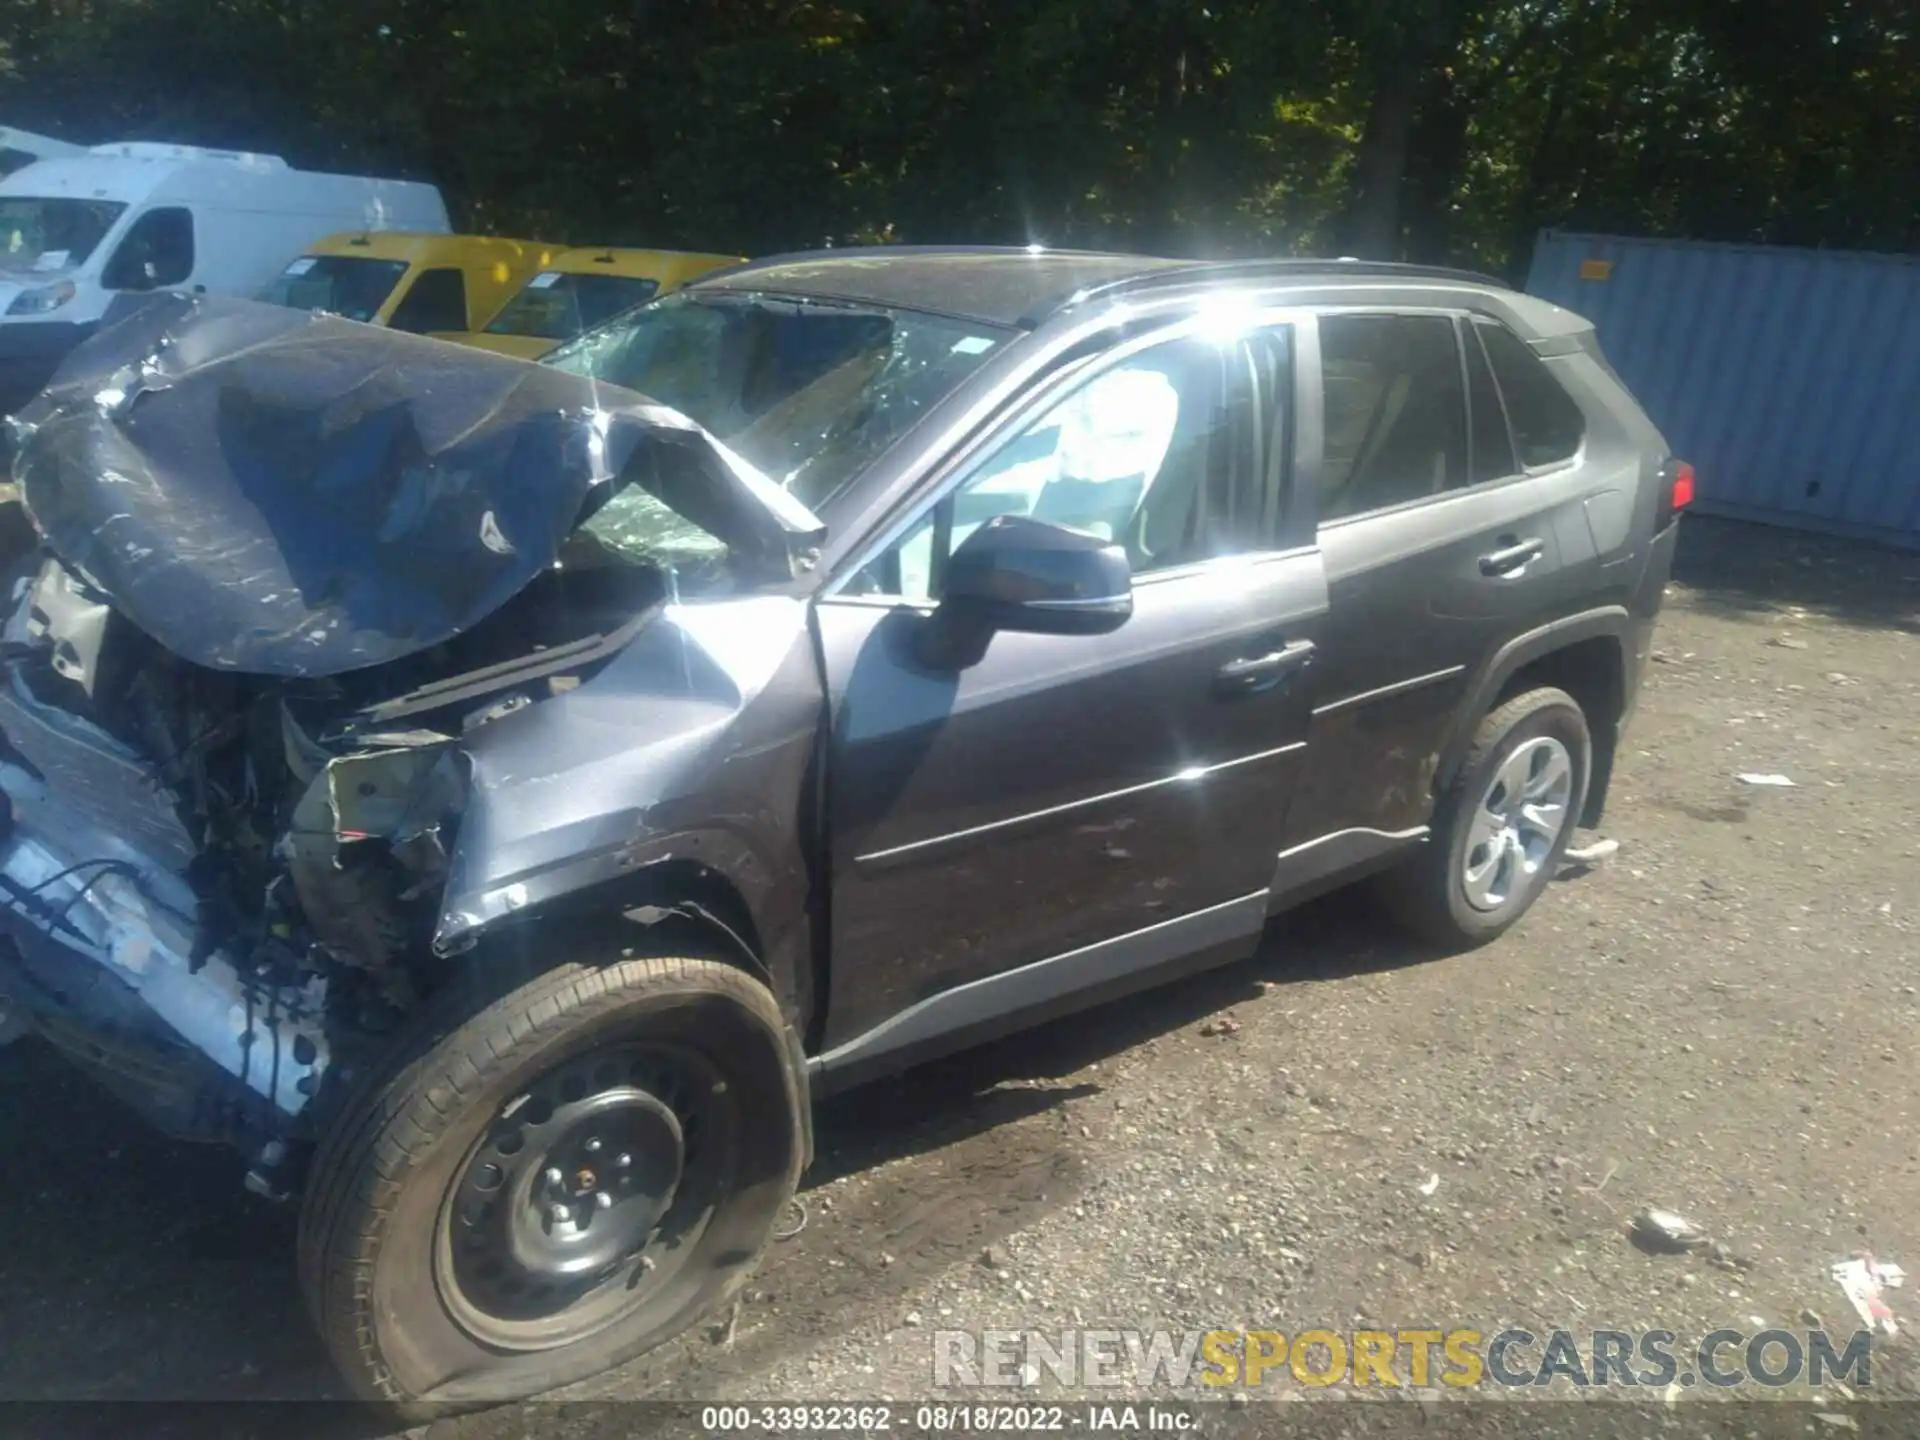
<point x="692" y="747"/>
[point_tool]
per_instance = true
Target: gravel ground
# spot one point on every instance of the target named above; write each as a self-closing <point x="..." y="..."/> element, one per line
<point x="1344" y="1132"/>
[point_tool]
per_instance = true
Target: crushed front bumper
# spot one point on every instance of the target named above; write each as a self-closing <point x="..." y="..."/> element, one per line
<point x="108" y="959"/>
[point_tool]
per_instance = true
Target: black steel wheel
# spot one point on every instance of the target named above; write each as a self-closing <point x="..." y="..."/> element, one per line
<point x="570" y="1175"/>
<point x="582" y="1194"/>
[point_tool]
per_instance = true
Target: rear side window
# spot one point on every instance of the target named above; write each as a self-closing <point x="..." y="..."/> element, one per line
<point x="1547" y="424"/>
<point x="1395" y="411"/>
<point x="437" y="301"/>
<point x="156" y="251"/>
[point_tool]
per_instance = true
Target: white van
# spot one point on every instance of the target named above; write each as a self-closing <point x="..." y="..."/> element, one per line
<point x="80" y="231"/>
<point x="20" y="148"/>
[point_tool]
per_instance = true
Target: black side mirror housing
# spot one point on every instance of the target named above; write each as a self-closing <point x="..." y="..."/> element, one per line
<point x="1015" y="573"/>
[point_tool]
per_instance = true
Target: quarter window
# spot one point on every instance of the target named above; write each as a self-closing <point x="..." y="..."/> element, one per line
<point x="1160" y="454"/>
<point x="1547" y="424"/>
<point x="1395" y="412"/>
<point x="157" y="250"/>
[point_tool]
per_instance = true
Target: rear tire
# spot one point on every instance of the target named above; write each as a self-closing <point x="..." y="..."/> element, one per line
<point x="1502" y="826"/>
<point x="443" y="1261"/>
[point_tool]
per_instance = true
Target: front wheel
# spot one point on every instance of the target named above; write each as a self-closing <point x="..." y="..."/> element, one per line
<point x="544" y="1187"/>
<point x="1502" y="826"/>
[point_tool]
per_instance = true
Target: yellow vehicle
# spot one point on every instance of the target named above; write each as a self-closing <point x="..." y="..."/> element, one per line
<point x="441" y="285"/>
<point x="578" y="289"/>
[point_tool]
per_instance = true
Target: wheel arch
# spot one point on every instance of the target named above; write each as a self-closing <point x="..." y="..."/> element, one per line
<point x="671" y="906"/>
<point x="1584" y="655"/>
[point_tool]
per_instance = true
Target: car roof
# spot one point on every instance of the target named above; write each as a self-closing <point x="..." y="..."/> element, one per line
<point x="427" y="246"/>
<point x="630" y="261"/>
<point x="994" y="285"/>
<point x="1016" y="286"/>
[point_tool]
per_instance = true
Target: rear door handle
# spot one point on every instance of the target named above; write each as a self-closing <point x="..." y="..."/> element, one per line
<point x="1513" y="558"/>
<point x="1258" y="672"/>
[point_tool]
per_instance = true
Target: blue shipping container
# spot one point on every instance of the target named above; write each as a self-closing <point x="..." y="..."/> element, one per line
<point x="1790" y="379"/>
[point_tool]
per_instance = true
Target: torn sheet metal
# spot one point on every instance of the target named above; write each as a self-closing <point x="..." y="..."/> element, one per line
<point x="269" y="491"/>
<point x="400" y="791"/>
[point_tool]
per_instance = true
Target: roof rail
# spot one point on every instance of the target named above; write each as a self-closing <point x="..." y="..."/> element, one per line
<point x="842" y="252"/>
<point x="160" y="150"/>
<point x="1276" y="269"/>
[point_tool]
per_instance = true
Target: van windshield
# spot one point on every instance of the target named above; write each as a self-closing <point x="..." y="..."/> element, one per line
<point x="52" y="233"/>
<point x="351" y="286"/>
<point x="558" y="306"/>
<point x="808" y="391"/>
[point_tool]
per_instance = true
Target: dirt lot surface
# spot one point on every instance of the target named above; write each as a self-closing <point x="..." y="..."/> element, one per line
<point x="1342" y="1132"/>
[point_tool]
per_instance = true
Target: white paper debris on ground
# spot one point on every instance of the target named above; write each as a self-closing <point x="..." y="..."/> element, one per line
<point x="1864" y="1279"/>
<point x="1778" y="780"/>
<point x="1432" y="1184"/>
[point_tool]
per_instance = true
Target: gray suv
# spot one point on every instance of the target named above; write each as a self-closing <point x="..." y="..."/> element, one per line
<point x="497" y="798"/>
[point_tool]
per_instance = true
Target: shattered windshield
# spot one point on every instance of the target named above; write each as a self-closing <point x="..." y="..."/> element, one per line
<point x="52" y="234"/>
<point x="807" y="391"/>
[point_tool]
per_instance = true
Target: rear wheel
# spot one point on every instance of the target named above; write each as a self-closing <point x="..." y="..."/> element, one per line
<point x="1502" y="826"/>
<point x="552" y="1183"/>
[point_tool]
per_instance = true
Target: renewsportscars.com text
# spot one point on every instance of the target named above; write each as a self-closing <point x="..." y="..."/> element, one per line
<point x="1459" y="1358"/>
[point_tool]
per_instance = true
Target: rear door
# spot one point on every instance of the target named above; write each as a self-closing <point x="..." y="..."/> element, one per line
<point x="1071" y="811"/>
<point x="1440" y="545"/>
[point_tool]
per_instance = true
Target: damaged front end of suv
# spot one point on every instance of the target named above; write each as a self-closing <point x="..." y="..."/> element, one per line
<point x="326" y="649"/>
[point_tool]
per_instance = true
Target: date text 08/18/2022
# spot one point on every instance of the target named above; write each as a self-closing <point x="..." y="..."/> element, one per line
<point x="944" y="1419"/>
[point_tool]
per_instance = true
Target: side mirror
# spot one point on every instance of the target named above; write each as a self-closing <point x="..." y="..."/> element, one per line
<point x="1013" y="573"/>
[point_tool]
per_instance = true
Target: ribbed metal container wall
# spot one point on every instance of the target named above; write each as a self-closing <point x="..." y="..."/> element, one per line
<point x="1790" y="379"/>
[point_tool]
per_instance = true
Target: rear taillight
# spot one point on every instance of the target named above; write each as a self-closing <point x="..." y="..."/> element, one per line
<point x="1676" y="492"/>
<point x="1682" y="485"/>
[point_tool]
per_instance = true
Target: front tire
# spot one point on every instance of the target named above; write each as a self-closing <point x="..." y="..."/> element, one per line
<point x="543" y="1187"/>
<point x="1500" y="830"/>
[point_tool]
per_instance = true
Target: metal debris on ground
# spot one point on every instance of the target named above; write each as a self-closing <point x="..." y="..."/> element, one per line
<point x="1591" y="854"/>
<point x="793" y="1221"/>
<point x="1666" y="1231"/>
<point x="1777" y="781"/>
<point x="1787" y="642"/>
<point x="1222" y="1025"/>
<point x="1865" y="1279"/>
<point x="1432" y="1184"/>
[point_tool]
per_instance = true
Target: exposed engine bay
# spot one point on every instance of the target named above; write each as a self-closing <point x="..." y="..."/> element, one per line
<point x="275" y="572"/>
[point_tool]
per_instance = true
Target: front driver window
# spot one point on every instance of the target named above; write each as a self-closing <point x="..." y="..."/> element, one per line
<point x="1157" y="454"/>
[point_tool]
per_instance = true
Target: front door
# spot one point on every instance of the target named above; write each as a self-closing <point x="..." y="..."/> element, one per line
<point x="1073" y="810"/>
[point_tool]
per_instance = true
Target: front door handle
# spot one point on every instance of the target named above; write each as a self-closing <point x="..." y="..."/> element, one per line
<point x="1513" y="558"/>
<point x="1259" y="672"/>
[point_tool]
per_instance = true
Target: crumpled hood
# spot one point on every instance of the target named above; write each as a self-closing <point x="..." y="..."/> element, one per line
<point x="269" y="491"/>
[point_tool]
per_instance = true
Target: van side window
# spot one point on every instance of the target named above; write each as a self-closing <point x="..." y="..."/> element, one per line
<point x="437" y="301"/>
<point x="157" y="251"/>
<point x="1395" y="412"/>
<point x="1547" y="424"/>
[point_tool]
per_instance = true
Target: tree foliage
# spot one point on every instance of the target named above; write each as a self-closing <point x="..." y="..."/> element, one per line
<point x="1429" y="129"/>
